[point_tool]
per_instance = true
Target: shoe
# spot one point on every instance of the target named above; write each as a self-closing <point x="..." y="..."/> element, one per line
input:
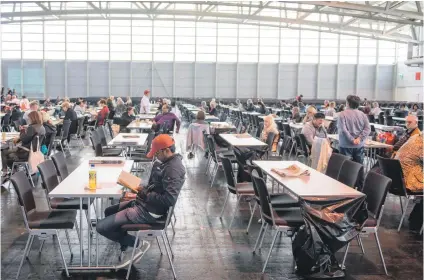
<point x="190" y="155"/>
<point x="140" y="250"/>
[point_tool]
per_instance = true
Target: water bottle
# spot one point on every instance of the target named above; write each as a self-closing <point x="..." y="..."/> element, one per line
<point x="92" y="178"/>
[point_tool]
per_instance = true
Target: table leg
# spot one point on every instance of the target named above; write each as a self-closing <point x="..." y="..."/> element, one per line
<point x="81" y="233"/>
<point x="89" y="231"/>
<point x="97" y="235"/>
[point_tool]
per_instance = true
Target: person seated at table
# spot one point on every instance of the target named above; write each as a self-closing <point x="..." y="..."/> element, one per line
<point x="152" y="201"/>
<point x="102" y="114"/>
<point x="78" y="109"/>
<point x="195" y="133"/>
<point x="33" y="106"/>
<point x="403" y="110"/>
<point x="326" y="104"/>
<point x="366" y="109"/>
<point x="203" y="106"/>
<point x="49" y="127"/>
<point x="213" y="110"/>
<point x="24" y="104"/>
<point x="249" y="106"/>
<point x="47" y="103"/>
<point x="129" y="101"/>
<point x="120" y="106"/>
<point x="128" y="117"/>
<point x="302" y="108"/>
<point x="16" y="114"/>
<point x="270" y="126"/>
<point x="416" y="110"/>
<point x="375" y="110"/>
<point x="310" y="112"/>
<point x="168" y="117"/>
<point x="314" y="128"/>
<point x="341" y="108"/>
<point x="110" y="105"/>
<point x="411" y="130"/>
<point x="296" y="115"/>
<point x="262" y="108"/>
<point x="21" y="153"/>
<point x="240" y="106"/>
<point x="331" y="110"/>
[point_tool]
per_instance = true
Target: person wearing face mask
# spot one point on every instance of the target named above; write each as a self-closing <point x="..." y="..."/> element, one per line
<point x="411" y="130"/>
<point x="152" y="201"/>
<point x="314" y="128"/>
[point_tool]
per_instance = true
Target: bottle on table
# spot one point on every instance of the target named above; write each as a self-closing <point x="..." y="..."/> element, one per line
<point x="92" y="178"/>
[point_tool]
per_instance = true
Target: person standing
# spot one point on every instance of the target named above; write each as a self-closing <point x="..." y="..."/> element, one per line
<point x="145" y="103"/>
<point x="353" y="128"/>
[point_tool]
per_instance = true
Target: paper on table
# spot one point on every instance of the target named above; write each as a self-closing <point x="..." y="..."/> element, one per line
<point x="129" y="181"/>
<point x="105" y="162"/>
<point x="291" y="171"/>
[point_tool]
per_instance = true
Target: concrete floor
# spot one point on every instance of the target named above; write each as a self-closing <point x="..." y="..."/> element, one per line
<point x="203" y="247"/>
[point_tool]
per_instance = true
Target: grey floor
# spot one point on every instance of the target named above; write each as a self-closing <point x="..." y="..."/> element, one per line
<point x="203" y="246"/>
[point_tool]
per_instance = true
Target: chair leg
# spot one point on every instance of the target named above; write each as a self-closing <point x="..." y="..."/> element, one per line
<point x="169" y="257"/>
<point x="29" y="175"/>
<point x="61" y="254"/>
<point x="270" y="250"/>
<point x="30" y="246"/>
<point x="69" y="242"/>
<point x="259" y="236"/>
<point x="235" y="210"/>
<point x="263" y="236"/>
<point x="358" y="237"/>
<point x="345" y="255"/>
<point x="160" y="249"/>
<point x="78" y="232"/>
<point x="403" y="215"/>
<point x="251" y="217"/>
<point x="169" y="244"/>
<point x="225" y="204"/>
<point x="132" y="257"/>
<point x="41" y="247"/>
<point x="24" y="256"/>
<point x="214" y="176"/>
<point x="401" y="205"/>
<point x="381" y="253"/>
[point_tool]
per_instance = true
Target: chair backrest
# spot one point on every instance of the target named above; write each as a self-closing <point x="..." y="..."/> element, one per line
<point x="23" y="188"/>
<point x="150" y="138"/>
<point x="211" y="146"/>
<point x="389" y="120"/>
<point x="97" y="144"/>
<point x="101" y="134"/>
<point x="335" y="164"/>
<point x="48" y="175"/>
<point x="287" y="130"/>
<point x="303" y="144"/>
<point x="65" y="128"/>
<point x="251" y="168"/>
<point x="270" y="140"/>
<point x="392" y="169"/>
<point x="375" y="188"/>
<point x="350" y="172"/>
<point x="266" y="211"/>
<point x="229" y="173"/>
<point x="109" y="129"/>
<point x="381" y="118"/>
<point x="50" y="145"/>
<point x="371" y="118"/>
<point x="80" y="125"/>
<point x="59" y="161"/>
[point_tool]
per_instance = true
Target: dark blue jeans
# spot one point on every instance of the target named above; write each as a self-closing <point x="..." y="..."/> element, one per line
<point x="357" y="155"/>
<point x="122" y="214"/>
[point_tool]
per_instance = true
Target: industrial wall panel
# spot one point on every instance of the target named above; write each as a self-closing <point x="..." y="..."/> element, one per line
<point x="11" y="74"/>
<point x="385" y="82"/>
<point x="33" y="79"/>
<point x="327" y="81"/>
<point x="288" y="81"/>
<point x="162" y="79"/>
<point x="247" y="80"/>
<point x="141" y="78"/>
<point x="268" y="77"/>
<point x="77" y="78"/>
<point x="184" y="79"/>
<point x="55" y="78"/>
<point x="120" y="78"/>
<point x="347" y="80"/>
<point x="308" y="80"/>
<point x="227" y="80"/>
<point x="205" y="80"/>
<point x="98" y="78"/>
<point x="366" y="81"/>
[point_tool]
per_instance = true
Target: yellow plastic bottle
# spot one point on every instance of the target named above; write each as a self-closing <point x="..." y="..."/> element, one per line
<point x="92" y="178"/>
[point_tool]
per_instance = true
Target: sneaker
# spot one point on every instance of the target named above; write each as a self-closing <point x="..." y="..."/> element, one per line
<point x="125" y="256"/>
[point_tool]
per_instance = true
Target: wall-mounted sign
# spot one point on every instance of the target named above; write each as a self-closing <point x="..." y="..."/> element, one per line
<point x="418" y="76"/>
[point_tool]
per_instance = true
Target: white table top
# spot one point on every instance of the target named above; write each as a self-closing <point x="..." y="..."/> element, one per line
<point x="121" y="140"/>
<point x="399" y="119"/>
<point x="233" y="140"/>
<point x="221" y="125"/>
<point x="277" y="119"/>
<point x="296" y="125"/>
<point x="9" y="136"/>
<point x="330" y="118"/>
<point x="75" y="185"/>
<point x="145" y="116"/>
<point x="140" y="125"/>
<point x="193" y="109"/>
<point x="277" y="109"/>
<point x="368" y="143"/>
<point x="234" y="109"/>
<point x="317" y="184"/>
<point x="385" y="127"/>
<point x="252" y="113"/>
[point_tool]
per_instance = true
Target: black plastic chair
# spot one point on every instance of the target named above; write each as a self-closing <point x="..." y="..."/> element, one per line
<point x="371" y="118"/>
<point x="59" y="161"/>
<point x="215" y="159"/>
<point x="375" y="188"/>
<point x="63" y="136"/>
<point x="283" y="220"/>
<point x="335" y="165"/>
<point x="392" y="169"/>
<point x="350" y="172"/>
<point x="40" y="223"/>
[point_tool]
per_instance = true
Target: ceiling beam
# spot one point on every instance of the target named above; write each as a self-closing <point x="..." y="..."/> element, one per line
<point x="42" y="6"/>
<point x="263" y="6"/>
<point x="418" y="3"/>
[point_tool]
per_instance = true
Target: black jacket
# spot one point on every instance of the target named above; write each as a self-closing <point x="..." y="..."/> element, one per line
<point x="50" y="132"/>
<point x="165" y="183"/>
<point x="262" y="108"/>
<point x="72" y="116"/>
<point x="27" y="136"/>
<point x="16" y="114"/>
<point x="250" y="107"/>
<point x="126" y="119"/>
